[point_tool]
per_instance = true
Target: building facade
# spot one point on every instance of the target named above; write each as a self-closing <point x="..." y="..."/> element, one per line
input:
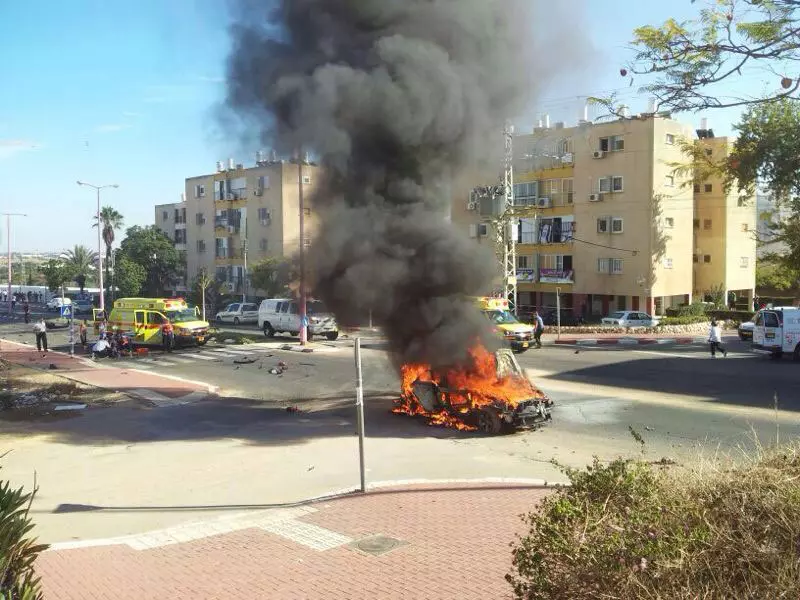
<point x="605" y="223"/>
<point x="171" y="220"/>
<point x="239" y="216"/>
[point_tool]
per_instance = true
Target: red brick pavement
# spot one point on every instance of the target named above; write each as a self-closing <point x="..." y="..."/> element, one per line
<point x="103" y="374"/>
<point x="457" y="547"/>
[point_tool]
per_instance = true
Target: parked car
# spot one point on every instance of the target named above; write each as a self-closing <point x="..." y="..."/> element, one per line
<point x="57" y="302"/>
<point x="277" y="315"/>
<point x="630" y="318"/>
<point x="238" y="313"/>
<point x="746" y="330"/>
<point x="82" y="306"/>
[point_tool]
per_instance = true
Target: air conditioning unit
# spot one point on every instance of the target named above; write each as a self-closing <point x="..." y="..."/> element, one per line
<point x="543" y="202"/>
<point x="595" y="197"/>
<point x="598" y="154"/>
<point x="471" y="205"/>
<point x="264" y="222"/>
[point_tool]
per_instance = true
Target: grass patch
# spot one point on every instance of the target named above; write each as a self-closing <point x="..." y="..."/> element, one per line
<point x="633" y="530"/>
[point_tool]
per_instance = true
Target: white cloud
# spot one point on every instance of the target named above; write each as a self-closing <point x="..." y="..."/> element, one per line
<point x="112" y="127"/>
<point x="9" y="148"/>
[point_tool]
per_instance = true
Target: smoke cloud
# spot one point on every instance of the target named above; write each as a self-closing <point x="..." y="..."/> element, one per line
<point x="396" y="98"/>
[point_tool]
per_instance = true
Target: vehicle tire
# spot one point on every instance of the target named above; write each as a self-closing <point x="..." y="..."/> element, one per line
<point x="796" y="353"/>
<point x="203" y="343"/>
<point x="332" y="336"/>
<point x="236" y="321"/>
<point x="776" y="356"/>
<point x="489" y="421"/>
<point x="219" y="320"/>
<point x="741" y="337"/>
<point x="268" y="330"/>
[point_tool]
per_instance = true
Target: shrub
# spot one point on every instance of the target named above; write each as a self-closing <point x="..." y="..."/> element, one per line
<point x="684" y="320"/>
<point x="18" y="551"/>
<point x="686" y="310"/>
<point x="629" y="530"/>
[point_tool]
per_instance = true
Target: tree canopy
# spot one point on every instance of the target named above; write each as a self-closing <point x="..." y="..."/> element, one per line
<point x="56" y="273"/>
<point x="129" y="276"/>
<point x="271" y="276"/>
<point x="150" y="248"/>
<point x="82" y="262"/>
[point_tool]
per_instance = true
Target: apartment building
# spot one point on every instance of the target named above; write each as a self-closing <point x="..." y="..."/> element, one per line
<point x="239" y="215"/>
<point x="604" y="222"/>
<point x="171" y="220"/>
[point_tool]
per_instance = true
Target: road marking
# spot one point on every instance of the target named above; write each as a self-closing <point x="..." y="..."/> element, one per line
<point x="179" y="359"/>
<point x="309" y="535"/>
<point x="201" y="356"/>
<point x="694" y="354"/>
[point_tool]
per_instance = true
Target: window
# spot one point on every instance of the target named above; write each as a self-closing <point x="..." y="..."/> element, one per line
<point x="695" y="258"/>
<point x="706" y="258"/>
<point x="744" y="262"/>
<point x="612" y="183"/>
<point x="616" y="265"/>
<point x="307" y="212"/>
<point x="154" y="318"/>
<point x="709" y="151"/>
<point x="740" y="202"/>
<point x="263" y="244"/>
<point x="669" y="181"/>
<point x="696" y="223"/>
<point x="612" y="143"/>
<point x="523" y="262"/>
<point x="707" y="188"/>
<point x="745" y="227"/>
<point x="165" y="215"/>
<point x="483" y="229"/>
<point x="200" y="219"/>
<point x="525" y="193"/>
<point x="306" y="243"/>
<point x="263" y="183"/>
<point x="616" y="225"/>
<point x="616" y="183"/>
<point x="200" y="191"/>
<point x="603" y="265"/>
<point x="670" y="139"/>
<point x="566" y="189"/>
<point x="706" y="224"/>
<point x="602" y="225"/>
<point x="180" y="236"/>
<point x="609" y="265"/>
<point x="306" y="179"/>
<point x="201" y="246"/>
<point x="696" y="188"/>
<point x="667" y="263"/>
<point x="669" y="222"/>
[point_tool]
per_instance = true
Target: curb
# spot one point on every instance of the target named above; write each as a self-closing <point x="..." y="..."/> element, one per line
<point x="628" y="341"/>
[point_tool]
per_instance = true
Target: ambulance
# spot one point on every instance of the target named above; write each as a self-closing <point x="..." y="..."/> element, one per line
<point x="143" y="319"/>
<point x="777" y="332"/>
<point x="516" y="334"/>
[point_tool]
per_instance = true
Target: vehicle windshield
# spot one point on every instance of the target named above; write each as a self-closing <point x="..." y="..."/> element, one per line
<point x="501" y="317"/>
<point x="178" y="316"/>
<point x="618" y="315"/>
<point x="316" y="308"/>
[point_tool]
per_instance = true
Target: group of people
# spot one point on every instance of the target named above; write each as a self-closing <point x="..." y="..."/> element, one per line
<point x="37" y="297"/>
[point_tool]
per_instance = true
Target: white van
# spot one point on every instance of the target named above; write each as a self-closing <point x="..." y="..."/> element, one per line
<point x="777" y="332"/>
<point x="281" y="315"/>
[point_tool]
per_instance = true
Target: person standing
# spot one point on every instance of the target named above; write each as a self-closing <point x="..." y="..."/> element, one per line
<point x="168" y="336"/>
<point x="538" y="329"/>
<point x="26" y="308"/>
<point x="83" y="333"/>
<point x="40" y="329"/>
<point x="715" y="340"/>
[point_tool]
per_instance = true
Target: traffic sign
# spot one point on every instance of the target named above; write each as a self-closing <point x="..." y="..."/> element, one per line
<point x="66" y="311"/>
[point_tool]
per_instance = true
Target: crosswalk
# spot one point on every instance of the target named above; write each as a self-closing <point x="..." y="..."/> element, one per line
<point x="204" y="356"/>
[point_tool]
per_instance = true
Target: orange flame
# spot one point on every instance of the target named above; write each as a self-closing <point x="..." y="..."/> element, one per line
<point x="468" y="387"/>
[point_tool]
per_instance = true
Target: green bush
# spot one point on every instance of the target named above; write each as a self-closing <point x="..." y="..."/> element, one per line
<point x="629" y="530"/>
<point x="18" y="550"/>
<point x="687" y="310"/>
<point x="684" y="320"/>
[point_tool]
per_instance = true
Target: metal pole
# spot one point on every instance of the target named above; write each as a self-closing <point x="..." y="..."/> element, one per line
<point x="8" y="235"/>
<point x="71" y="332"/>
<point x="302" y="307"/>
<point x="360" y="415"/>
<point x="203" y="291"/>
<point x="558" y="313"/>
<point x="100" y="254"/>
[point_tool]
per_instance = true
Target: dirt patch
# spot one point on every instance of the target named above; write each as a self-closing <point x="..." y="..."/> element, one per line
<point x="27" y="393"/>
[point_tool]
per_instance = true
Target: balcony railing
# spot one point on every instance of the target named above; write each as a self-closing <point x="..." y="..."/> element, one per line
<point x="545" y="201"/>
<point x="550" y="233"/>
<point x="227" y="253"/>
<point x="233" y="195"/>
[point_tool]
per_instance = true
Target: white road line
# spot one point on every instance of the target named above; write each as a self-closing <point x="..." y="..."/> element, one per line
<point x="180" y="359"/>
<point x="693" y="355"/>
<point x="201" y="356"/>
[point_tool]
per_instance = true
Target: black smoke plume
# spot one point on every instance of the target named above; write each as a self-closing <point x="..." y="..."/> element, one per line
<point x="396" y="98"/>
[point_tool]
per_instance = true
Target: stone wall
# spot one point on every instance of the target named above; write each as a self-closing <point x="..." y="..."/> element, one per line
<point x="692" y="328"/>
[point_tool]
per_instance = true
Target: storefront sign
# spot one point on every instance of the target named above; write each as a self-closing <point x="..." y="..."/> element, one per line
<point x="526" y="275"/>
<point x="554" y="276"/>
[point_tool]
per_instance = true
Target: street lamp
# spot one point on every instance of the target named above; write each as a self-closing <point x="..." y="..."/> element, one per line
<point x="97" y="188"/>
<point x="8" y="235"/>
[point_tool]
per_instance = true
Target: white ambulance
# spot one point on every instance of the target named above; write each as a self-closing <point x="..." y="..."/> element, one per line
<point x="777" y="332"/>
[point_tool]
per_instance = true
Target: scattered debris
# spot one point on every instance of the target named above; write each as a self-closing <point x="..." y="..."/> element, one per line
<point x="245" y="360"/>
<point x="229" y="341"/>
<point x="53" y="366"/>
<point x="308" y="364"/>
<point x="648" y="428"/>
<point x="294" y="409"/>
<point x="274" y="371"/>
<point x="311" y="468"/>
<point x="60" y="407"/>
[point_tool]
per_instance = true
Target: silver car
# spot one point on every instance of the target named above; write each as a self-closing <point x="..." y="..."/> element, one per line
<point x="629" y="318"/>
<point x="238" y="313"/>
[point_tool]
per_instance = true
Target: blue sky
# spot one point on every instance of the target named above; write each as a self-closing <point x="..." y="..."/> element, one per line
<point x="125" y="92"/>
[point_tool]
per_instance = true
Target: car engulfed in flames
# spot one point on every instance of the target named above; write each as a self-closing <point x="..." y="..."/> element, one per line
<point x="492" y="395"/>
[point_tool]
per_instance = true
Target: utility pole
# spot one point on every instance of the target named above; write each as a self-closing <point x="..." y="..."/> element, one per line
<point x="302" y="303"/>
<point x="8" y="235"/>
<point x="244" y="256"/>
<point x="509" y="230"/>
<point x="97" y="188"/>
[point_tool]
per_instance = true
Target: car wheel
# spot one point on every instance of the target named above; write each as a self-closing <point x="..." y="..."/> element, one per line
<point x="219" y="320"/>
<point x="742" y="337"/>
<point x="332" y="336"/>
<point x="268" y="330"/>
<point x="236" y="321"/>
<point x="489" y="421"/>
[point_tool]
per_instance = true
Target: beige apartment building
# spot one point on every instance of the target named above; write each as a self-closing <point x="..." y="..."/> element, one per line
<point x="240" y="215"/>
<point x="171" y="220"/>
<point x="606" y="224"/>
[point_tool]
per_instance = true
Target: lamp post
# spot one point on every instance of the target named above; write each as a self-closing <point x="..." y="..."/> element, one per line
<point x="97" y="188"/>
<point x="8" y="235"/>
<point x="302" y="303"/>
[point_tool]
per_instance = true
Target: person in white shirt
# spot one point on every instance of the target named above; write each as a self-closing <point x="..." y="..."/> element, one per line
<point x="40" y="329"/>
<point x="715" y="340"/>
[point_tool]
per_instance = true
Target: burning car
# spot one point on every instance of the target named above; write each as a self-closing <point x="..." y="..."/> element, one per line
<point x="493" y="395"/>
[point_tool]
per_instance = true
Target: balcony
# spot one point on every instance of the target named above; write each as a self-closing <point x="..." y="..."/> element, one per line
<point x="550" y="231"/>
<point x="228" y="256"/>
<point x="232" y="199"/>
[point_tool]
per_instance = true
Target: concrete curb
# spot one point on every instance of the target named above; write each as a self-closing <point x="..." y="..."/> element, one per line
<point x="629" y="341"/>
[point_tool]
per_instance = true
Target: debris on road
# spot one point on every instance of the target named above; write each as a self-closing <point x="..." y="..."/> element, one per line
<point x="60" y="407"/>
<point x="246" y="360"/>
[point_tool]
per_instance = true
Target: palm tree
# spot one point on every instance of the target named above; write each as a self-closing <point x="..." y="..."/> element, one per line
<point x="80" y="261"/>
<point x="111" y="220"/>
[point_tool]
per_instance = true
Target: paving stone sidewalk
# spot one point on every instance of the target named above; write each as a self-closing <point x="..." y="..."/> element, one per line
<point x="446" y="542"/>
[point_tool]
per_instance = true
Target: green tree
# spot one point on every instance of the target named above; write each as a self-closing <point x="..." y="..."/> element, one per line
<point x="150" y="248"/>
<point x="206" y="292"/>
<point x="82" y="262"/>
<point x="684" y="63"/>
<point x="111" y="220"/>
<point x="56" y="273"/>
<point x="271" y="276"/>
<point x="772" y="274"/>
<point x="129" y="277"/>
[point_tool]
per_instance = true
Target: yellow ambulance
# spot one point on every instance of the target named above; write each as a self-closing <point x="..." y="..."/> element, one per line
<point x="143" y="319"/>
<point x="516" y="334"/>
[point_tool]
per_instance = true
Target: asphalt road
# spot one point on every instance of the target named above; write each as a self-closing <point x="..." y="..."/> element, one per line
<point x="133" y="468"/>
